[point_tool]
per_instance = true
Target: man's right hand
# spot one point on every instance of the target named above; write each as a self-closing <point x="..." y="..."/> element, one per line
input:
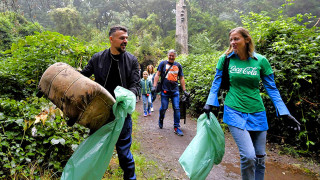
<point x="153" y="90"/>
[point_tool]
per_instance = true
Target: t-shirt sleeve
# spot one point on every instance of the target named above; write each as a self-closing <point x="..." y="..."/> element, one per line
<point x="221" y="62"/>
<point x="160" y="67"/>
<point x="180" y="74"/>
<point x="266" y="68"/>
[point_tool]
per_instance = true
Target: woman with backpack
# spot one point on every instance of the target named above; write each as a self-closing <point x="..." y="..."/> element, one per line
<point x="244" y="112"/>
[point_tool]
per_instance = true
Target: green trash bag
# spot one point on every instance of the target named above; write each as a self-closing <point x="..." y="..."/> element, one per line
<point x="92" y="157"/>
<point x="205" y="149"/>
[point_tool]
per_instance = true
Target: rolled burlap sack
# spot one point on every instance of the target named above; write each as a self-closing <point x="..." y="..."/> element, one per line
<point x="82" y="100"/>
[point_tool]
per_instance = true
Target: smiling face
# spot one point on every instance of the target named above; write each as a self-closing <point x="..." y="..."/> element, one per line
<point x="118" y="40"/>
<point x="145" y="75"/>
<point x="238" y="42"/>
<point x="171" y="57"/>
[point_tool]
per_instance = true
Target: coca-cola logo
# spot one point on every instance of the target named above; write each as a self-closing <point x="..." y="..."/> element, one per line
<point x="247" y="70"/>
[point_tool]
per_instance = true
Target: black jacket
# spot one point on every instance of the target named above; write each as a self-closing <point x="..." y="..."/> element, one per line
<point x="99" y="65"/>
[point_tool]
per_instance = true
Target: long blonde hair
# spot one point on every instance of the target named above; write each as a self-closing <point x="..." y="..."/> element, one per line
<point x="150" y="69"/>
<point x="245" y="33"/>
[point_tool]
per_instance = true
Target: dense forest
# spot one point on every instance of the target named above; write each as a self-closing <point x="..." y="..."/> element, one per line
<point x="36" y="33"/>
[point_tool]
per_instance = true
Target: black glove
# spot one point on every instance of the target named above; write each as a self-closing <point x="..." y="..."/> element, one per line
<point x="153" y="90"/>
<point x="186" y="93"/>
<point x="295" y="125"/>
<point x="39" y="94"/>
<point x="207" y="109"/>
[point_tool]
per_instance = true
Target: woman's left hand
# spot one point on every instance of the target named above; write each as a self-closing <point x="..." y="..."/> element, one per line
<point x="296" y="125"/>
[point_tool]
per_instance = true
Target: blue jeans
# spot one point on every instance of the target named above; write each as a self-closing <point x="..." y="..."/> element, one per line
<point x="252" y="149"/>
<point x="146" y="102"/>
<point x="175" y="104"/>
<point x="123" y="149"/>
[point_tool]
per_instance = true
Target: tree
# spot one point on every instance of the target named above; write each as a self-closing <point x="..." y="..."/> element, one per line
<point x="204" y="22"/>
<point x="67" y="21"/>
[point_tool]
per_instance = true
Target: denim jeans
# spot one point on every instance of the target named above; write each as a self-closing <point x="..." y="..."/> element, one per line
<point x="252" y="149"/>
<point x="175" y="104"/>
<point x="123" y="149"/>
<point x="146" y="102"/>
<point x="151" y="96"/>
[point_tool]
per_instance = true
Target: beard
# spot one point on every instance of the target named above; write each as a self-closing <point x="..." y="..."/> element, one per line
<point x="171" y="59"/>
<point x="122" y="50"/>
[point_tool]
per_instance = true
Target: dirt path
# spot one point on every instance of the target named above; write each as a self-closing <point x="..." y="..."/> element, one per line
<point x="165" y="147"/>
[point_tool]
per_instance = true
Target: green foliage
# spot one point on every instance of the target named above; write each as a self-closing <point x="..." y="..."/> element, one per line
<point x="206" y="28"/>
<point x="68" y="22"/>
<point x="201" y="44"/>
<point x="34" y="137"/>
<point x="293" y="52"/>
<point x="143" y="25"/>
<point x="148" y="50"/>
<point x="303" y="7"/>
<point x="24" y="64"/>
<point x="199" y="70"/>
<point x="13" y="27"/>
<point x="149" y="42"/>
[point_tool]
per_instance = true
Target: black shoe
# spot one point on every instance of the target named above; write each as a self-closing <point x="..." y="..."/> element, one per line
<point x="160" y="123"/>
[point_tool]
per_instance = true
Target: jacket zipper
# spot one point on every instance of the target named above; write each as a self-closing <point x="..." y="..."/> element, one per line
<point x="107" y="75"/>
<point x="145" y="87"/>
<point x="120" y="74"/>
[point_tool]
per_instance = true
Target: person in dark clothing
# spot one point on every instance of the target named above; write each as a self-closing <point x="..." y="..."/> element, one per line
<point x="115" y="67"/>
<point x="140" y="76"/>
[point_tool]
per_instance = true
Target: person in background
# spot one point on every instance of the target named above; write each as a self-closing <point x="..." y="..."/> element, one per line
<point x="146" y="94"/>
<point x="244" y="112"/>
<point x="115" y="67"/>
<point x="170" y="88"/>
<point x="151" y="75"/>
<point x="140" y="76"/>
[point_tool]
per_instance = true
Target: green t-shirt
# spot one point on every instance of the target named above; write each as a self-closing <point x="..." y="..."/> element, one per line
<point x="244" y="94"/>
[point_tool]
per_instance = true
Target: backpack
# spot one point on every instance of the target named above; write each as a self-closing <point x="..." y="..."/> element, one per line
<point x="225" y="83"/>
<point x="159" y="85"/>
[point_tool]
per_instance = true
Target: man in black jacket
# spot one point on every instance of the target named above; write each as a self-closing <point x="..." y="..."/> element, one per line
<point x="115" y="67"/>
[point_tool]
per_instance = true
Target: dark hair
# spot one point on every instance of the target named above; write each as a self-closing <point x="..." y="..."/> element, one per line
<point x="117" y="28"/>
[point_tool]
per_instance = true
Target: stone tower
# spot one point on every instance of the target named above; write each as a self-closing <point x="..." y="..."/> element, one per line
<point x="181" y="27"/>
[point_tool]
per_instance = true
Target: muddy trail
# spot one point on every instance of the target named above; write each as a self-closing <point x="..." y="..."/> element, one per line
<point x="165" y="148"/>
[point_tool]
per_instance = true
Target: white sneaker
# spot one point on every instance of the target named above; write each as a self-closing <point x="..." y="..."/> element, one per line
<point x="152" y="109"/>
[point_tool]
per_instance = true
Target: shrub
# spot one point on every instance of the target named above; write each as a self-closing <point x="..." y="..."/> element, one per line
<point x="199" y="71"/>
<point x="27" y="59"/>
<point x="34" y="133"/>
<point x="14" y="26"/>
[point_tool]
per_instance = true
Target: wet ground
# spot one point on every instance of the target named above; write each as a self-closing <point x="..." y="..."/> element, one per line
<point x="165" y="147"/>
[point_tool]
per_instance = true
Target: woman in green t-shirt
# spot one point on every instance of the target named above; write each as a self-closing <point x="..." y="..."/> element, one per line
<point x="244" y="112"/>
